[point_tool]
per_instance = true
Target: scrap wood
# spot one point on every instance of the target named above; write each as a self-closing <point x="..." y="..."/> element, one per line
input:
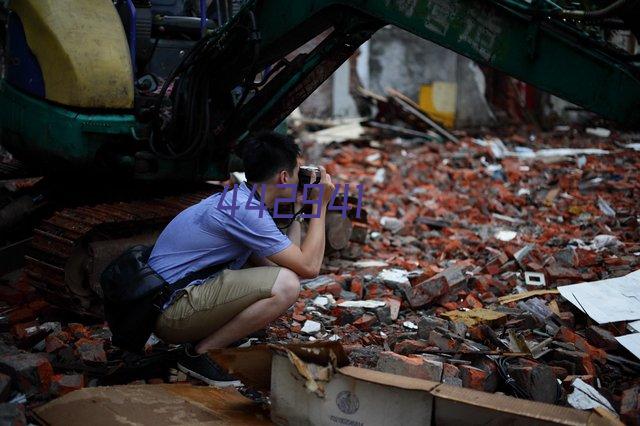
<point x="470" y="352"/>
<point x="519" y="296"/>
<point x="477" y="316"/>
<point x="414" y="109"/>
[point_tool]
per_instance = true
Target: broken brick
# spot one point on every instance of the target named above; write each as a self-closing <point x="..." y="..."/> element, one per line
<point x="451" y="375"/>
<point x="91" y="351"/>
<point x="30" y="372"/>
<point x="601" y="338"/>
<point x="427" y="291"/>
<point x="12" y="415"/>
<point x="78" y="331"/>
<point x="410" y="366"/>
<point x="630" y="406"/>
<point x="407" y="347"/>
<point x="365" y="322"/>
<point x="567" y="335"/>
<point x="538" y="381"/>
<point x="473" y="378"/>
<point x="62" y="384"/>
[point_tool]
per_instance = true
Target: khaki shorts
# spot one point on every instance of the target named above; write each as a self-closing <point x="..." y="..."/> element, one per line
<point x="200" y="310"/>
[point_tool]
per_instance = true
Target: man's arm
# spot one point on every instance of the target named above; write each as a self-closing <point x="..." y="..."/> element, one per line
<point x="293" y="233"/>
<point x="306" y="259"/>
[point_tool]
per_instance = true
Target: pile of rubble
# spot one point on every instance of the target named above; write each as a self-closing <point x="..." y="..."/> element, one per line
<point x="456" y="277"/>
<point x="453" y="275"/>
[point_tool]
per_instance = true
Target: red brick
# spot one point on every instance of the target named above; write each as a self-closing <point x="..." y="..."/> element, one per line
<point x="472" y="377"/>
<point x="31" y="373"/>
<point x="407" y="347"/>
<point x="53" y="343"/>
<point x="410" y="366"/>
<point x="586" y="258"/>
<point x="630" y="406"/>
<point x="62" y="384"/>
<point x="357" y="287"/>
<point x="365" y="322"/>
<point x="451" y="375"/>
<point x="78" y="331"/>
<point x="473" y="302"/>
<point x="91" y="351"/>
<point x="567" y="335"/>
<point x="427" y="291"/>
<point x="601" y="338"/>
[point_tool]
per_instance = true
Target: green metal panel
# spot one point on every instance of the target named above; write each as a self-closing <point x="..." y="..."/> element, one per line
<point x="544" y="53"/>
<point x="61" y="140"/>
<point x="49" y="131"/>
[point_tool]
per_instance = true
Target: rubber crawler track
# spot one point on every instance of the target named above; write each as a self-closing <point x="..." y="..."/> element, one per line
<point x="56" y="240"/>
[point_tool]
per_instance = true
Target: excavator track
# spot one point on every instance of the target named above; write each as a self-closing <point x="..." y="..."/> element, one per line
<point x="70" y="249"/>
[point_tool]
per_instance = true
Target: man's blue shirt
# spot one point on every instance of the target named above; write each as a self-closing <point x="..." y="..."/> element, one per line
<point x="204" y="234"/>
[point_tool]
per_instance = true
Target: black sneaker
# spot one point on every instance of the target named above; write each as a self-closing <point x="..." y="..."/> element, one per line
<point x="202" y="367"/>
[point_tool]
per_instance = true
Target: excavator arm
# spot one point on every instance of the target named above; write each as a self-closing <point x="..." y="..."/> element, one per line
<point x="250" y="70"/>
<point x="509" y="36"/>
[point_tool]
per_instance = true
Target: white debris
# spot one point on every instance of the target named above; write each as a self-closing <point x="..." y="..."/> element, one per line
<point x="585" y="397"/>
<point x="373" y="157"/>
<point x="394" y="276"/>
<point x="506" y="235"/>
<point x="367" y="304"/>
<point x="311" y="327"/>
<point x="600" y="132"/>
<point x="391" y="223"/>
<point x="534" y="279"/>
<point x="409" y="325"/>
<point x="334" y="338"/>
<point x="321" y="301"/>
<point x="601" y="242"/>
<point x="380" y="175"/>
<point x="317" y="282"/>
<point x="605" y="207"/>
<point x="341" y="133"/>
<point x="370" y="263"/>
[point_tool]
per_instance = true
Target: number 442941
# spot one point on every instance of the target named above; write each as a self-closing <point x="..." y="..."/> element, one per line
<point x="338" y="202"/>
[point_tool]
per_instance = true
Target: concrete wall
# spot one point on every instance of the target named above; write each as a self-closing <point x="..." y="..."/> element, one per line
<point x="395" y="58"/>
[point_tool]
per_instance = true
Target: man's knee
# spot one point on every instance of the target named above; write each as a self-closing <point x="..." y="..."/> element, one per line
<point x="287" y="286"/>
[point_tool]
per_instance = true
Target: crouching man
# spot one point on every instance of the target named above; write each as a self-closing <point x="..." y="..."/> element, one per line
<point x="235" y="302"/>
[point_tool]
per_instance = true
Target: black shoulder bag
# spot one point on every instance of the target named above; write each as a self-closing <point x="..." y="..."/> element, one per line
<point x="134" y="295"/>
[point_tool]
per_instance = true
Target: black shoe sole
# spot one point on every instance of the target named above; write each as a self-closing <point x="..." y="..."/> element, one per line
<point x="220" y="384"/>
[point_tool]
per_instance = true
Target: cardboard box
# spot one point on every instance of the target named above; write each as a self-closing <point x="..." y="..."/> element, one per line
<point x="353" y="397"/>
<point x="313" y="385"/>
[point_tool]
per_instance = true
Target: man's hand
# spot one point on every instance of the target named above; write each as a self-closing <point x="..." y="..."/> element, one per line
<point x="327" y="187"/>
<point x="306" y="260"/>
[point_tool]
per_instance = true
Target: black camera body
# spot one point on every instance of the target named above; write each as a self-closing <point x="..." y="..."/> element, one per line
<point x="308" y="175"/>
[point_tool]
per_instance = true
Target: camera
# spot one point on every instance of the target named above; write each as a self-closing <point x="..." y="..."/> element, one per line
<point x="308" y="175"/>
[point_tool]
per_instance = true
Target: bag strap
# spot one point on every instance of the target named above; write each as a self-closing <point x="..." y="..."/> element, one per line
<point x="197" y="275"/>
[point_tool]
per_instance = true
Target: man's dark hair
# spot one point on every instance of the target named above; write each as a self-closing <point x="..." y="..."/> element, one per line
<point x="266" y="153"/>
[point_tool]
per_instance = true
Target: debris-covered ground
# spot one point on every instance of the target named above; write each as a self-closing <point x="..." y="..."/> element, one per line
<point x="451" y="277"/>
<point x="438" y="289"/>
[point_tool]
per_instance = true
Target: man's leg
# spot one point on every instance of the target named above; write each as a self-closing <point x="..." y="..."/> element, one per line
<point x="283" y="294"/>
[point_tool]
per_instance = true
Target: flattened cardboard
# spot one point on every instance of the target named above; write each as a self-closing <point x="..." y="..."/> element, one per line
<point x="461" y="406"/>
<point x="356" y="396"/>
<point x="158" y="405"/>
<point x="252" y="365"/>
<point x="353" y="396"/>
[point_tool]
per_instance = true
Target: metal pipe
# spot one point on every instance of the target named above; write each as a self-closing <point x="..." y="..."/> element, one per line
<point x="592" y="14"/>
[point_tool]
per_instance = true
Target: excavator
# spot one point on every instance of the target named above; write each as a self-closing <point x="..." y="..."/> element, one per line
<point x="128" y="106"/>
